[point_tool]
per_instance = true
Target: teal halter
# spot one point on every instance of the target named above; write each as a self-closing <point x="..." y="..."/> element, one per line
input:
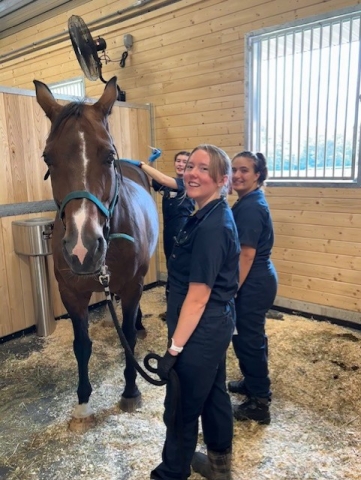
<point x="107" y="212"/>
<point x="85" y="194"/>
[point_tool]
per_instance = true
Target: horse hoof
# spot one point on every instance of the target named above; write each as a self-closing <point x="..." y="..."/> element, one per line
<point x="129" y="405"/>
<point x="81" y="425"/>
<point x="141" y="334"/>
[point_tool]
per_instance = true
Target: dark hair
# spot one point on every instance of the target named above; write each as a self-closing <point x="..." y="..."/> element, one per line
<point x="183" y="152"/>
<point x="259" y="162"/>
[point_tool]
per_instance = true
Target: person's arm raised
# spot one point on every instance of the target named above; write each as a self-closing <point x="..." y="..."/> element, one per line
<point x="159" y="176"/>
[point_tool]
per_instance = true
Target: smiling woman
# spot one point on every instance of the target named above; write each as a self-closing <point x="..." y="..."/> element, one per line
<point x="176" y="205"/>
<point x="200" y="318"/>
<point x="257" y="286"/>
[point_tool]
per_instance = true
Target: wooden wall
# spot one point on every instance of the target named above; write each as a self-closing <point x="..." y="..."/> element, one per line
<point x="23" y="131"/>
<point x="188" y="61"/>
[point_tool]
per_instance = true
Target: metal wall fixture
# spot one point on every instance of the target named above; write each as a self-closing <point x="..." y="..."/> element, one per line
<point x="32" y="238"/>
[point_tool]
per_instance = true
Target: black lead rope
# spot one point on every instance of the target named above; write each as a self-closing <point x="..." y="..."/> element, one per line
<point x="129" y="353"/>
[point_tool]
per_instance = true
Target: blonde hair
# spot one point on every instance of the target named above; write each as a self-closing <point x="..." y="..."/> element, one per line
<point x="219" y="164"/>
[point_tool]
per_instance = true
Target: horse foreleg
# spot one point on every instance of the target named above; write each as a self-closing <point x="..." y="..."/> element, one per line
<point x="82" y="346"/>
<point x="141" y="331"/>
<point x="131" y="396"/>
<point x="82" y="415"/>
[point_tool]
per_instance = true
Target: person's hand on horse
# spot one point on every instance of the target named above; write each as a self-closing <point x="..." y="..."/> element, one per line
<point x="165" y="365"/>
<point x="156" y="153"/>
<point x="136" y="163"/>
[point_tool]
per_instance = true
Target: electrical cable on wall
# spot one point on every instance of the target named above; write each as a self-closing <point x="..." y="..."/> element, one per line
<point x="123" y="59"/>
<point x="128" y="43"/>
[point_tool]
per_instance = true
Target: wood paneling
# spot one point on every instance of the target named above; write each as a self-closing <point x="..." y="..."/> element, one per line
<point x="318" y="245"/>
<point x="23" y="130"/>
<point x="188" y="61"/>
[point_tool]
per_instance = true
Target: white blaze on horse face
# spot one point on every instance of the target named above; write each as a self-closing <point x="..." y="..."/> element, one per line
<point x="85" y="158"/>
<point x="79" y="249"/>
<point x="81" y="216"/>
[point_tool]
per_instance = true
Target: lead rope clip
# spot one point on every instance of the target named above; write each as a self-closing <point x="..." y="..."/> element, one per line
<point x="104" y="278"/>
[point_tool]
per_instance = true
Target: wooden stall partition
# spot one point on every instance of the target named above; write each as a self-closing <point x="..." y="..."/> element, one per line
<point x="23" y="131"/>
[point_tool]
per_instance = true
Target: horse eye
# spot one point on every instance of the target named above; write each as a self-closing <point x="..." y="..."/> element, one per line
<point x="110" y="159"/>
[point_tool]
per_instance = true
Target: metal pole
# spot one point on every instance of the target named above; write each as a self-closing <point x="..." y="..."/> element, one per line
<point x="43" y="305"/>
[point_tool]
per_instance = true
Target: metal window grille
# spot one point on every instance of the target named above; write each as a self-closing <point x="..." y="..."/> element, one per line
<point x="73" y="88"/>
<point x="303" y="99"/>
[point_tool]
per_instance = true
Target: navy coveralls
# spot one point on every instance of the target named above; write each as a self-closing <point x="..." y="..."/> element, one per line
<point x="176" y="207"/>
<point x="255" y="297"/>
<point x="206" y="251"/>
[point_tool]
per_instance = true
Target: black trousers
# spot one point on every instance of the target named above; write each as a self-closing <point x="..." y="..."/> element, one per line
<point x="201" y="369"/>
<point x="253" y="300"/>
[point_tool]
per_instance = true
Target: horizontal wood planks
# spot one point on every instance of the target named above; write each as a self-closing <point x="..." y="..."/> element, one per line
<point x="317" y="251"/>
<point x="188" y="61"/>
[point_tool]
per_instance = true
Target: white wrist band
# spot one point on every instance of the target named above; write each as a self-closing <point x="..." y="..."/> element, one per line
<point x="174" y="347"/>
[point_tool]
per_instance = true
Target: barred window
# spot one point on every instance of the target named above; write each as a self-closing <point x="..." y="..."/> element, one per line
<point x="72" y="88"/>
<point x="303" y="99"/>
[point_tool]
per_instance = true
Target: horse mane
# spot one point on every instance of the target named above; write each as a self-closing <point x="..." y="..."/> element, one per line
<point x="73" y="109"/>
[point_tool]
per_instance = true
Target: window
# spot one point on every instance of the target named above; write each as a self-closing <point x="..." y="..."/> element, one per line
<point x="303" y="99"/>
<point x="72" y="88"/>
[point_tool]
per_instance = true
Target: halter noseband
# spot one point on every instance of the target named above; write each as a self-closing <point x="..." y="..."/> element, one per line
<point x="107" y="212"/>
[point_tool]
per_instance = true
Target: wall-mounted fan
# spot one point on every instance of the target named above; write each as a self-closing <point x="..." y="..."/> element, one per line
<point x="86" y="50"/>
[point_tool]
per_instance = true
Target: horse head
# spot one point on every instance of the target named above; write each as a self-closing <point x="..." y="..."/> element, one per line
<point x="80" y="154"/>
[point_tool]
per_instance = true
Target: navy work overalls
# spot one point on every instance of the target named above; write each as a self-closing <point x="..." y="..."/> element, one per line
<point x="206" y="251"/>
<point x="176" y="208"/>
<point x="257" y="294"/>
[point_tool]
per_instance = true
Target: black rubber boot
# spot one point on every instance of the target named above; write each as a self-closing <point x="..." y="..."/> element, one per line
<point x="214" y="465"/>
<point x="253" y="408"/>
<point x="237" y="386"/>
<point x="202" y="465"/>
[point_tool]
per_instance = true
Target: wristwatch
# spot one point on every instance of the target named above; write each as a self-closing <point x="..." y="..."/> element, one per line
<point x="173" y="346"/>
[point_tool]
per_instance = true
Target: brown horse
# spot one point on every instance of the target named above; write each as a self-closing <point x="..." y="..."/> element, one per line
<point x="106" y="217"/>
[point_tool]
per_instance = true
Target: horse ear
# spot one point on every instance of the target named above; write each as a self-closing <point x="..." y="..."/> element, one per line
<point x="107" y="100"/>
<point x="46" y="100"/>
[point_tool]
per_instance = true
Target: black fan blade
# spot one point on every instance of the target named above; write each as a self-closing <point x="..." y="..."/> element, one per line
<point x="84" y="47"/>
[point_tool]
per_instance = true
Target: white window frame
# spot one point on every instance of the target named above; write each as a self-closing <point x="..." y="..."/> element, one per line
<point x="307" y="135"/>
<point x="74" y="87"/>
